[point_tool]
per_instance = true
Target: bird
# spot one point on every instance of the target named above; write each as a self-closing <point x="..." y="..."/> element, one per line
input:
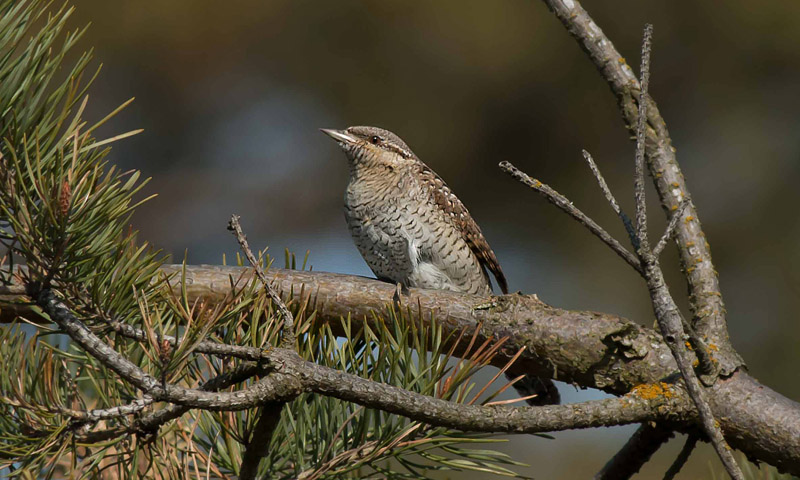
<point x="412" y="230"/>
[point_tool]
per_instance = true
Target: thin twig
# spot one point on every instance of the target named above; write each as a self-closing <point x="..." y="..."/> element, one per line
<point x="670" y="320"/>
<point x="673" y="222"/>
<point x="641" y="126"/>
<point x="635" y="453"/>
<point x="683" y="456"/>
<point x="566" y="206"/>
<point x="609" y="196"/>
<point x="269" y="414"/>
<point x="705" y="299"/>
<point x="288" y="337"/>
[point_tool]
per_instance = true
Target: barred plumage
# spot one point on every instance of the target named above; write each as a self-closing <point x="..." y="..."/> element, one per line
<point x="411" y="228"/>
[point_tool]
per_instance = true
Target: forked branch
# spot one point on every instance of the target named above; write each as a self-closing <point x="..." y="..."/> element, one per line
<point x="668" y="316"/>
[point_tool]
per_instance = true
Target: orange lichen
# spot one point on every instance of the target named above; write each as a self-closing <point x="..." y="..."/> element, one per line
<point x="650" y="391"/>
<point x="713" y="347"/>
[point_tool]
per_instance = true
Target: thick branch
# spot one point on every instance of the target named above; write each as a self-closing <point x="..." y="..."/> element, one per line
<point x="292" y="375"/>
<point x="585" y="348"/>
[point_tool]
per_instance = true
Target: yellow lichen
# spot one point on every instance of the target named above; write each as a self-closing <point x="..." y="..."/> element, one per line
<point x="713" y="347"/>
<point x="650" y="391"/>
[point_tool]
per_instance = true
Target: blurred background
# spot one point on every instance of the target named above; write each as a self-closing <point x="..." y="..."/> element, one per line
<point x="231" y="99"/>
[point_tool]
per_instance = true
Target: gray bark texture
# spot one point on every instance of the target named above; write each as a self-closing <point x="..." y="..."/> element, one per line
<point x="588" y="349"/>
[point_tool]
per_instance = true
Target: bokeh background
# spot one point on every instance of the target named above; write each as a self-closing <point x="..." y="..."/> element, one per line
<point x="231" y="94"/>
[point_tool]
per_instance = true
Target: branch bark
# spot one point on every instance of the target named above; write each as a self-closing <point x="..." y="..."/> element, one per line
<point x="289" y="375"/>
<point x="589" y="349"/>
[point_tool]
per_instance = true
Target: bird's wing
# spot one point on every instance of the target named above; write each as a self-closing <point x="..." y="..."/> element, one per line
<point x="463" y="221"/>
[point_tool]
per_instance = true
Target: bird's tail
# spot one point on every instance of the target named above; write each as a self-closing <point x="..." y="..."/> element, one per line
<point x="541" y="390"/>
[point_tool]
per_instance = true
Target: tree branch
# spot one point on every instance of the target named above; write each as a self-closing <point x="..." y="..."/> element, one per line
<point x="566" y="206"/>
<point x="270" y="413"/>
<point x="291" y="375"/>
<point x="708" y="311"/>
<point x="635" y="453"/>
<point x="609" y="196"/>
<point x="683" y="456"/>
<point x="641" y="242"/>
<point x="585" y="348"/>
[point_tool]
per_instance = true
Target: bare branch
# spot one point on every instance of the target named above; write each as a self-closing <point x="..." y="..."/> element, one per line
<point x="566" y="206"/>
<point x="585" y="348"/>
<point x="670" y="320"/>
<point x="708" y="310"/>
<point x="291" y="375"/>
<point x="635" y="453"/>
<point x="288" y="338"/>
<point x="609" y="196"/>
<point x="269" y="414"/>
<point x="673" y="222"/>
<point x="641" y="127"/>
<point x="683" y="456"/>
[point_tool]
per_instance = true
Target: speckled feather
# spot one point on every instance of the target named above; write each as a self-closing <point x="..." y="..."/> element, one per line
<point x="408" y="224"/>
<point x="411" y="228"/>
<point x="445" y="199"/>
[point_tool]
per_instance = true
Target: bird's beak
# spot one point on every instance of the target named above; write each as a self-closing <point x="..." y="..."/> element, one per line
<point x="340" y="136"/>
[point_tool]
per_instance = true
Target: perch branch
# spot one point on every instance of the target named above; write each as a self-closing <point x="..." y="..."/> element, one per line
<point x="586" y="348"/>
<point x="291" y="375"/>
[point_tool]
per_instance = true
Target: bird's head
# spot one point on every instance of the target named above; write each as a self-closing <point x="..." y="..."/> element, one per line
<point x="372" y="146"/>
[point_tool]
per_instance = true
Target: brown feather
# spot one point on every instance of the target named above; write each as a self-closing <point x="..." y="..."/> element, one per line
<point x="460" y="217"/>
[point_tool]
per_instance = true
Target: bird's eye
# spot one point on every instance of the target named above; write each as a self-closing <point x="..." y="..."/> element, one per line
<point x="375" y="139"/>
